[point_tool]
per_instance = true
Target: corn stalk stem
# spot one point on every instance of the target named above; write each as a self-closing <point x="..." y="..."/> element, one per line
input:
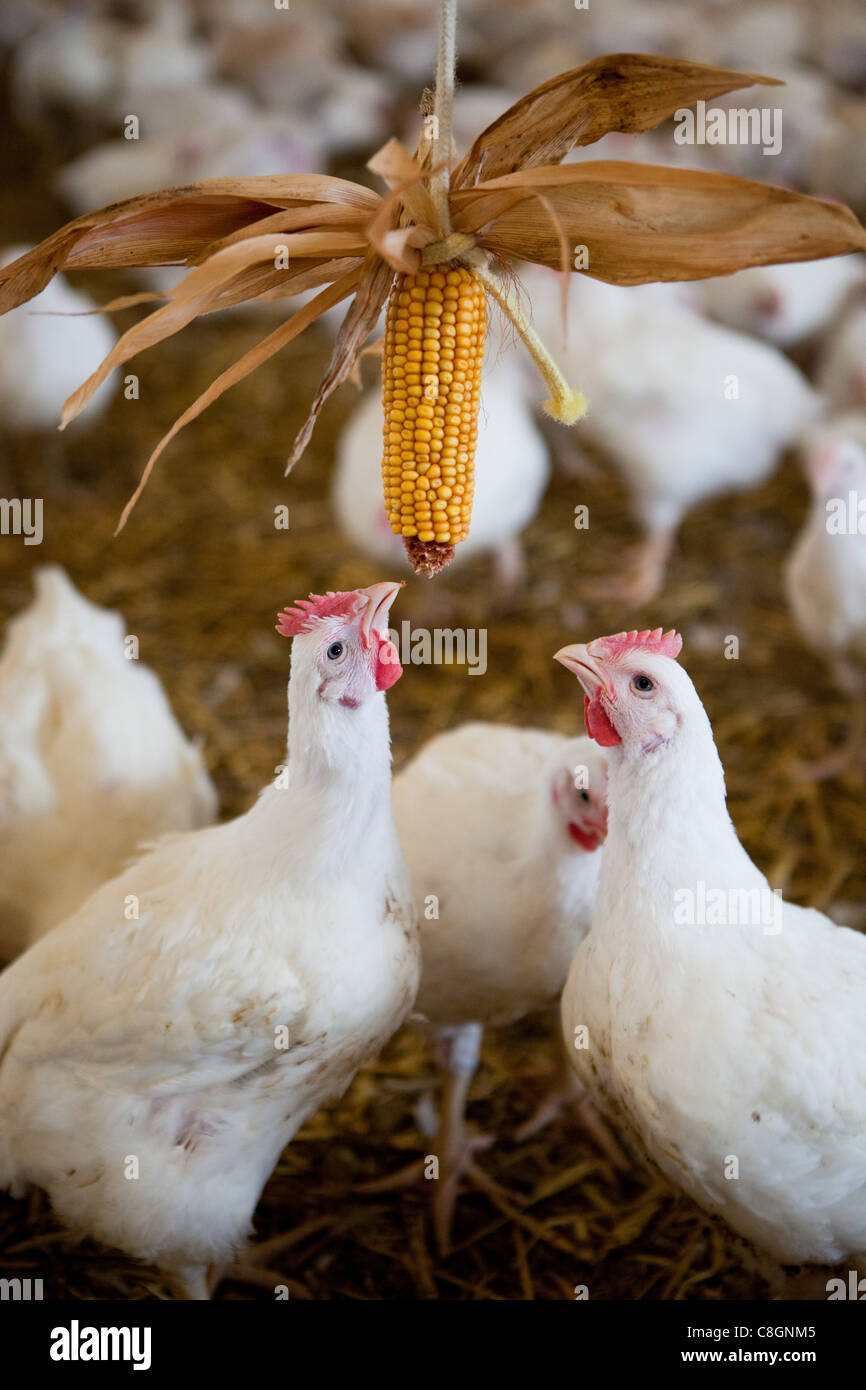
<point x="443" y="112"/>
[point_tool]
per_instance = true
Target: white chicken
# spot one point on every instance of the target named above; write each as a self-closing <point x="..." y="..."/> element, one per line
<point x="784" y="303"/>
<point x="86" y="63"/>
<point x="763" y="34"/>
<point x="840" y="370"/>
<point x="296" y="64"/>
<point x="267" y="958"/>
<point x="92" y="760"/>
<point x="225" y="145"/>
<point x="837" y="169"/>
<point x="66" y="64"/>
<point x="825" y="576"/>
<point x="501" y="828"/>
<point x="839" y="45"/>
<point x="717" y="1025"/>
<point x="47" y="348"/>
<point x="826" y="571"/>
<point x="685" y="409"/>
<point x="809" y="121"/>
<point x="512" y="469"/>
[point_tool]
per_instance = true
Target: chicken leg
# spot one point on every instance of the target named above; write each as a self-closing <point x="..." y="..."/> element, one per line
<point x="509" y="567"/>
<point x="189" y="1282"/>
<point x="452" y="1160"/>
<point x="848" y="757"/>
<point x="566" y="1094"/>
<point x="644" y="576"/>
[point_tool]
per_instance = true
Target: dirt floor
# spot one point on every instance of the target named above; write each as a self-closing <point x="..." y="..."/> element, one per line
<point x="199" y="574"/>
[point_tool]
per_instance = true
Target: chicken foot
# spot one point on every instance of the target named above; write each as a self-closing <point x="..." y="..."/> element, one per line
<point x="850" y="754"/>
<point x="451" y="1162"/>
<point x="644" y="575"/>
<point x="254" y="1266"/>
<point x="566" y="1095"/>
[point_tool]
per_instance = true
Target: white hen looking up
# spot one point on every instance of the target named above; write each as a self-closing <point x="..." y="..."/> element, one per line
<point x="502" y="829"/>
<point x="270" y="957"/>
<point x="720" y="1028"/>
<point x="93" y="763"/>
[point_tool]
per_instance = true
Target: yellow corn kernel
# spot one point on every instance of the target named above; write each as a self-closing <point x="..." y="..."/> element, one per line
<point x="431" y="378"/>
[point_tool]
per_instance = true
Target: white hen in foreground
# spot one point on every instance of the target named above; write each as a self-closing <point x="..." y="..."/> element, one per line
<point x="719" y="1027"/>
<point x="92" y="760"/>
<point x="265" y="960"/>
<point x="501" y="828"/>
<point x="685" y="409"/>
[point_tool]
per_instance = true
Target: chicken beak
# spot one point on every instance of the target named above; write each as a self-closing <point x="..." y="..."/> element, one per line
<point x="589" y="672"/>
<point x="375" y="615"/>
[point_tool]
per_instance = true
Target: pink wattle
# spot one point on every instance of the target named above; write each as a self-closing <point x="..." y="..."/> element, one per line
<point x="598" y="726"/>
<point x="388" y="668"/>
<point x="584" y="838"/>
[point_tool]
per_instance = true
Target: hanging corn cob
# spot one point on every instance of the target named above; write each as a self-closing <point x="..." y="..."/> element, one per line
<point x="511" y="199"/>
<point x="434" y="347"/>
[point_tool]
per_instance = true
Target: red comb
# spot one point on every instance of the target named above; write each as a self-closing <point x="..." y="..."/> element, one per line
<point x="650" y="640"/>
<point x="305" y="611"/>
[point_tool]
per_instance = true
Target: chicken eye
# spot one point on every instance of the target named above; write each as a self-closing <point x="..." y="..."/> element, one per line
<point x="643" y="683"/>
<point x="584" y="796"/>
<point x="335" y="651"/>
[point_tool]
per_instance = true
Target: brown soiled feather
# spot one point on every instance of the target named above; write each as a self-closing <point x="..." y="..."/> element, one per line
<point x="246" y="364"/>
<point x="642" y="223"/>
<point x="627" y="92"/>
<point x="169" y="227"/>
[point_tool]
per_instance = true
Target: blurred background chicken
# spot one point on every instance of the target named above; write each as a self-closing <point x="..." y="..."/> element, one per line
<point x="840" y="370"/>
<point x="785" y="304"/>
<point x="93" y="763"/>
<point x="512" y="469"/>
<point x="84" y="61"/>
<point x="502" y="829"/>
<point x="825" y="575"/>
<point x="47" y="348"/>
<point x="683" y="408"/>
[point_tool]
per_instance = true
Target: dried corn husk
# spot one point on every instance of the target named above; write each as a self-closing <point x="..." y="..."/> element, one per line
<point x="507" y="200"/>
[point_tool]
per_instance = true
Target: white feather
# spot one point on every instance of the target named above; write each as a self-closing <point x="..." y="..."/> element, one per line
<point x="160" y="1037"/>
<point x="48" y="347"/>
<point x="711" y="1043"/>
<point x="513" y="892"/>
<point x="92" y="760"/>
